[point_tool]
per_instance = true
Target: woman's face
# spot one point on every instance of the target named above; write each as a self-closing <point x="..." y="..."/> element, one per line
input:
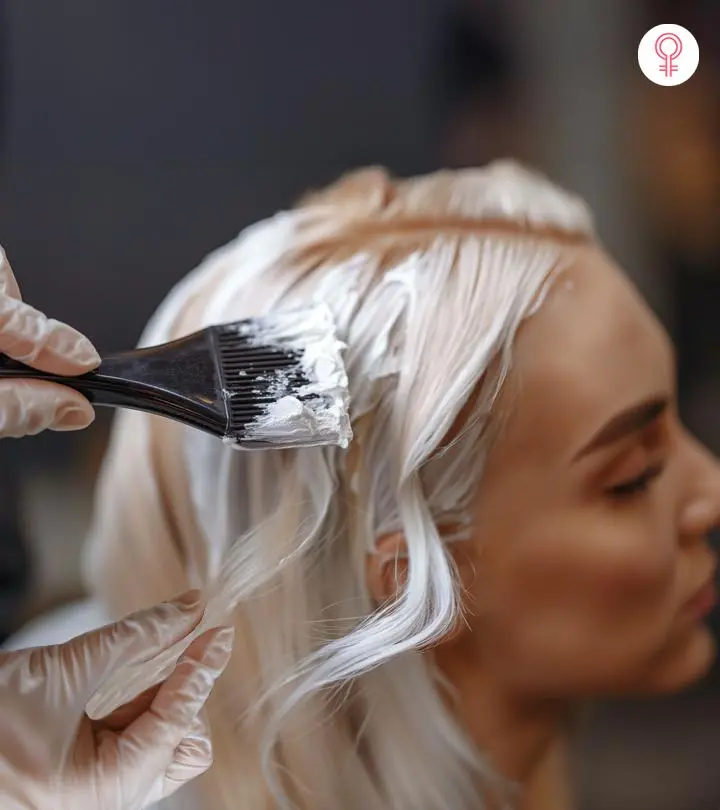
<point x="586" y="571"/>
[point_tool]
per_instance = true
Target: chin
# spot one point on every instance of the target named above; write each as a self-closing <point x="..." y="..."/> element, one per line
<point x="684" y="664"/>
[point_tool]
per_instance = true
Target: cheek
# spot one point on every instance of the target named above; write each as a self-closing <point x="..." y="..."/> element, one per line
<point x="629" y="559"/>
<point x="568" y="592"/>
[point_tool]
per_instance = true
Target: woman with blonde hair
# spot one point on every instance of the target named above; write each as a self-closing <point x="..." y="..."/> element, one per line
<point x="519" y="524"/>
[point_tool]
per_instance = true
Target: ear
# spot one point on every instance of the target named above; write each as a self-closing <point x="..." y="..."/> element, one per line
<point x="386" y="567"/>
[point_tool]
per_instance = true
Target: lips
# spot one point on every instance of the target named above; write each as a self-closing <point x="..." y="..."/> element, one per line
<point x="703" y="601"/>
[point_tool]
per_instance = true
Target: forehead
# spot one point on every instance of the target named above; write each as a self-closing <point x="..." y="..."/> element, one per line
<point x="591" y="350"/>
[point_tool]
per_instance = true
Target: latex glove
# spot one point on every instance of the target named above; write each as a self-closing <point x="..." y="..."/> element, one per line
<point x="28" y="407"/>
<point x="54" y="757"/>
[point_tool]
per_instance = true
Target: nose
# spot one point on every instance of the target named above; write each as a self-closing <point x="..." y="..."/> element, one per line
<point x="701" y="511"/>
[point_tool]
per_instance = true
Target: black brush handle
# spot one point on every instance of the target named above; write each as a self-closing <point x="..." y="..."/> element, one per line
<point x="178" y="380"/>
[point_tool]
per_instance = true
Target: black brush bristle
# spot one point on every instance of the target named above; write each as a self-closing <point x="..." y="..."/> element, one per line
<point x="252" y="377"/>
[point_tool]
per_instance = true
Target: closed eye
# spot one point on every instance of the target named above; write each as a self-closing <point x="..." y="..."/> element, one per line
<point x="638" y="485"/>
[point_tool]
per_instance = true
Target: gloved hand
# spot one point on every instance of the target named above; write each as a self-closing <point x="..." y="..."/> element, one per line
<point x="54" y="757"/>
<point x="28" y="407"/>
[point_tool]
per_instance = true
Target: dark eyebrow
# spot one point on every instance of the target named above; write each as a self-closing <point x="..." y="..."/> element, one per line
<point x="630" y="421"/>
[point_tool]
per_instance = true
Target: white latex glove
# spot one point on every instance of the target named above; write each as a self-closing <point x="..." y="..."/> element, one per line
<point x="54" y="757"/>
<point x="28" y="407"/>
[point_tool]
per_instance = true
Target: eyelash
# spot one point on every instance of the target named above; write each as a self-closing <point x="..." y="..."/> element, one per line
<point x="638" y="485"/>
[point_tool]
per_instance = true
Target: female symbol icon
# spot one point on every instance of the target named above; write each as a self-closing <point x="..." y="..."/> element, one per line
<point x="668" y="41"/>
<point x="674" y="49"/>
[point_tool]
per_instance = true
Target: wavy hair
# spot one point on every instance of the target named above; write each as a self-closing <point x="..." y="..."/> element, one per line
<point x="330" y="701"/>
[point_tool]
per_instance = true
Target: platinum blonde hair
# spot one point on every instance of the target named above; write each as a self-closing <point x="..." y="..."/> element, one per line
<point x="329" y="702"/>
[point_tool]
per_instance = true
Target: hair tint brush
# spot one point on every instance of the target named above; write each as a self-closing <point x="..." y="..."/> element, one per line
<point x="272" y="381"/>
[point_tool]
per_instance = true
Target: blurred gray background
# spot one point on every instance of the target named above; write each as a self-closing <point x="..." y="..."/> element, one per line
<point x="137" y="135"/>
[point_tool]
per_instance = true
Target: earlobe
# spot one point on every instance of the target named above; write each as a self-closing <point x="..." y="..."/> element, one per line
<point x="386" y="567"/>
